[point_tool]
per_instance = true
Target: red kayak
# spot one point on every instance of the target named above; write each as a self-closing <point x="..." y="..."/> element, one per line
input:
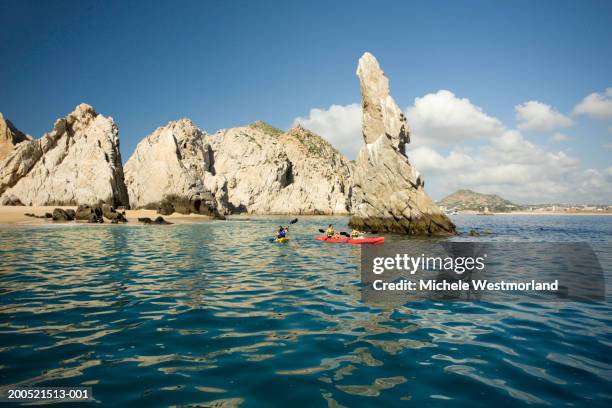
<point x="354" y="241"/>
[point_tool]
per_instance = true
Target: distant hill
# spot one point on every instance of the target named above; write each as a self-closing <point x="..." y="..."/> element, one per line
<point x="471" y="200"/>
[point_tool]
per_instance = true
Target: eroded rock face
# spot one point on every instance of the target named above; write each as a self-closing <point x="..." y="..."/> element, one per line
<point x="172" y="170"/>
<point x="269" y="171"/>
<point x="256" y="169"/>
<point x="77" y="162"/>
<point x="10" y="136"/>
<point x="388" y="192"/>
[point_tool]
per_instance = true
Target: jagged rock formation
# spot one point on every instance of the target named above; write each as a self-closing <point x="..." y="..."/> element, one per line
<point x="256" y="169"/>
<point x="389" y="194"/>
<point x="273" y="172"/>
<point x="77" y="162"/>
<point x="172" y="170"/>
<point x="9" y="137"/>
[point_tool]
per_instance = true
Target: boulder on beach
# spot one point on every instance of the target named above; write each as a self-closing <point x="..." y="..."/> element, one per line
<point x="389" y="194"/>
<point x="89" y="213"/>
<point x="59" y="214"/>
<point x="10" y="200"/>
<point x="157" y="221"/>
<point x="109" y="212"/>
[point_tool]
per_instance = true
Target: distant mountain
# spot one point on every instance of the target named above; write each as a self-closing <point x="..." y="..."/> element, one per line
<point x="471" y="200"/>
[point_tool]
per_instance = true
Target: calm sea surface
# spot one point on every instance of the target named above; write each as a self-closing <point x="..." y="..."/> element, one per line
<point x="214" y="314"/>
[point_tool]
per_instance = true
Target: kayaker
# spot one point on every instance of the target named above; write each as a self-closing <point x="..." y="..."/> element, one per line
<point x="329" y="232"/>
<point x="282" y="232"/>
<point x="355" y="234"/>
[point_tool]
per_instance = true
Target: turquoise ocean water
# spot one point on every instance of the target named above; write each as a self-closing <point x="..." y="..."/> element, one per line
<point x="214" y="314"/>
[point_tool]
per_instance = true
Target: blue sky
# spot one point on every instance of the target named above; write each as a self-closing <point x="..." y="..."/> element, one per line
<point x="225" y="64"/>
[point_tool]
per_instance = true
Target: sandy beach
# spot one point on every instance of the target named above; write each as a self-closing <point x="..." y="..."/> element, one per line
<point x="15" y="215"/>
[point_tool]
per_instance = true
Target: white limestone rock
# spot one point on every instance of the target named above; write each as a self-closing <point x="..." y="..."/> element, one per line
<point x="172" y="168"/>
<point x="269" y="171"/>
<point x="388" y="192"/>
<point x="78" y="162"/>
<point x="10" y="136"/>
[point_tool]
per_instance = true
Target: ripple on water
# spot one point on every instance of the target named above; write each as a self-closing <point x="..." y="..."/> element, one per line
<point x="213" y="315"/>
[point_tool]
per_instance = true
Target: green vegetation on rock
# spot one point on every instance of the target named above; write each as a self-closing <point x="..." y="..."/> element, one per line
<point x="315" y="144"/>
<point x="471" y="200"/>
<point x="266" y="128"/>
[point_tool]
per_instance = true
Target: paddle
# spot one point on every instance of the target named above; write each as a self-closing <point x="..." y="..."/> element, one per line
<point x="346" y="234"/>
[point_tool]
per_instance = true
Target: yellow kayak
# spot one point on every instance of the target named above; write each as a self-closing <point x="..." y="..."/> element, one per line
<point x="281" y="240"/>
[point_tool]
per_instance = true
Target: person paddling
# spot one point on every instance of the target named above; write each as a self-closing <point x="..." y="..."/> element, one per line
<point x="330" y="232"/>
<point x="282" y="232"/>
<point x="355" y="234"/>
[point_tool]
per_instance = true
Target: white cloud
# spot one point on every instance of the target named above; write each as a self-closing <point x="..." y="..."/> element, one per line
<point x="597" y="105"/>
<point x="443" y="118"/>
<point x="540" y="117"/>
<point x="514" y="168"/>
<point x="506" y="163"/>
<point x="339" y="124"/>
<point x="559" y="137"/>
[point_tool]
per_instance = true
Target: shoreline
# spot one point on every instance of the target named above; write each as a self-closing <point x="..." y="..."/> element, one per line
<point x="551" y="213"/>
<point x="598" y="213"/>
<point x="15" y="215"/>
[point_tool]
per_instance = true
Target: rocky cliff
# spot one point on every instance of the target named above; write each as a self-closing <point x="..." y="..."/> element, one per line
<point x="269" y="171"/>
<point x="172" y="170"/>
<point x="10" y="136"/>
<point x="77" y="162"/>
<point x="256" y="169"/>
<point x="389" y="193"/>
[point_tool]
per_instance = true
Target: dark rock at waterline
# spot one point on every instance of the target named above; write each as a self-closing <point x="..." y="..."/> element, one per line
<point x="47" y="215"/>
<point x="200" y="203"/>
<point x="59" y="214"/>
<point x="430" y="225"/>
<point x="474" y="233"/>
<point x="165" y="208"/>
<point x="157" y="221"/>
<point x="160" y="220"/>
<point x="109" y="212"/>
<point x="94" y="218"/>
<point x="91" y="214"/>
